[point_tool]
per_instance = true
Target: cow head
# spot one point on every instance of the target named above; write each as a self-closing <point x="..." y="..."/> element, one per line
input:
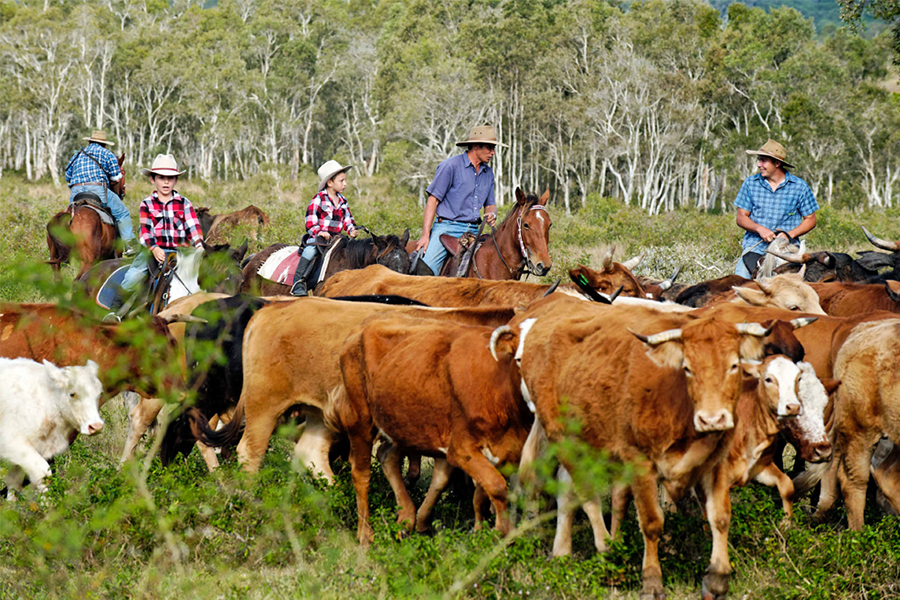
<point x="506" y="342"/>
<point x="778" y="381"/>
<point x="807" y="432"/>
<point x="782" y="291"/>
<point x="81" y="389"/>
<point x="709" y="353"/>
<point x="610" y="277"/>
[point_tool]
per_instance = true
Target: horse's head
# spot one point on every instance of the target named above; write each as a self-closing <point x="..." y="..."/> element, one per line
<point x="390" y="251"/>
<point x="220" y="270"/>
<point x="534" y="231"/>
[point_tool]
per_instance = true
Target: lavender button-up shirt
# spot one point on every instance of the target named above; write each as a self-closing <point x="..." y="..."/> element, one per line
<point x="461" y="193"/>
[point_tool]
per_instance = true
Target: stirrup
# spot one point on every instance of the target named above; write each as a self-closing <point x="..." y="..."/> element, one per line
<point x="299" y="286"/>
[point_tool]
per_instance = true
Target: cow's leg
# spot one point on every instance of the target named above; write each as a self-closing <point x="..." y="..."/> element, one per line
<point x="479" y="468"/>
<point x="650" y="518"/>
<point x="718" y="511"/>
<point x="311" y="450"/>
<point x="620" y="495"/>
<point x="480" y="502"/>
<point x="854" y="477"/>
<point x="595" y="515"/>
<point x="887" y="476"/>
<point x="565" y="514"/>
<point x="139" y="420"/>
<point x="208" y="453"/>
<point x="440" y="477"/>
<point x="415" y="468"/>
<point x="772" y="476"/>
<point x="15" y="480"/>
<point x="361" y="471"/>
<point x="30" y="461"/>
<point x="828" y="487"/>
<point x="390" y="464"/>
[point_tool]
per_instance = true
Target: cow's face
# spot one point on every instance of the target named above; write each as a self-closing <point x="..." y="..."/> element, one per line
<point x="709" y="354"/>
<point x="808" y="430"/>
<point x="779" y="381"/>
<point x="609" y="278"/>
<point x="82" y="391"/>
<point x="788" y="292"/>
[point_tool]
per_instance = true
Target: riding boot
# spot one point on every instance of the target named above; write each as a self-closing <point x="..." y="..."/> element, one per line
<point x="130" y="250"/>
<point x="300" y="275"/>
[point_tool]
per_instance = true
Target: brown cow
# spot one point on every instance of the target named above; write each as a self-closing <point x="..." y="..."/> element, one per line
<point x="612" y="276"/>
<point x="291" y="357"/>
<point x="431" y="388"/>
<point x="848" y="299"/>
<point x="663" y="402"/>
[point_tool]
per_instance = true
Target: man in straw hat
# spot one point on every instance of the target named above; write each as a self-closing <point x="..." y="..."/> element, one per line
<point x="92" y="169"/>
<point x="772" y="200"/>
<point x="462" y="185"/>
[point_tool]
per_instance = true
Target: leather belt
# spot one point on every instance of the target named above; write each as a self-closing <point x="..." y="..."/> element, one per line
<point x="103" y="183"/>
<point x="442" y="219"/>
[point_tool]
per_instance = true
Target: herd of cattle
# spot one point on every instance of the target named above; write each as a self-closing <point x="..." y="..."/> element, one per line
<point x="699" y="387"/>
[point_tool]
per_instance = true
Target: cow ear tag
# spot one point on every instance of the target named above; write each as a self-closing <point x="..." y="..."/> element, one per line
<point x="582" y="279"/>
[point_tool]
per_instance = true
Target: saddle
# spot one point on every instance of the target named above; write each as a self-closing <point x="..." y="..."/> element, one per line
<point x="155" y="296"/>
<point x="282" y="264"/>
<point x="462" y="250"/>
<point x="92" y="201"/>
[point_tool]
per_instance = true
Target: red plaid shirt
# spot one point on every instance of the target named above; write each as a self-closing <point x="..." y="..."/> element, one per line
<point x="170" y="225"/>
<point x="325" y="215"/>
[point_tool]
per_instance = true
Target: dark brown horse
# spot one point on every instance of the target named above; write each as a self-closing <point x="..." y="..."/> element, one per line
<point x="519" y="245"/>
<point x="388" y="250"/>
<point x="93" y="239"/>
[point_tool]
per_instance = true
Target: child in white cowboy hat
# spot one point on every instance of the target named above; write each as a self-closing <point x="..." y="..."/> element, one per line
<point x="327" y="215"/>
<point x="168" y="221"/>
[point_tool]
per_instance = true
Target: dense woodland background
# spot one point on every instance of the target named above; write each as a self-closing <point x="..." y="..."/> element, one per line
<point x="651" y="103"/>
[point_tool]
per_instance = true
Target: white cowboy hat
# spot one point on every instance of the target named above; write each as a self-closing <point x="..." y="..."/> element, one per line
<point x="483" y="134"/>
<point x="99" y="137"/>
<point x="163" y="164"/>
<point x="329" y="170"/>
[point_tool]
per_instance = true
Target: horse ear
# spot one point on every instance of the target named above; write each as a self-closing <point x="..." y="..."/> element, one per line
<point x="121" y="159"/>
<point x="404" y="239"/>
<point x="241" y="251"/>
<point x="520" y="196"/>
<point x="545" y="196"/>
<point x="379" y="242"/>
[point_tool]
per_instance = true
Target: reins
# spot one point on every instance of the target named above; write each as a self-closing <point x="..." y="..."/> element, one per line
<point x="522" y="267"/>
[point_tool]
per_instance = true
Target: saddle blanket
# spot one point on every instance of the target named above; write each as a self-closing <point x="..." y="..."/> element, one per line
<point x="280" y="266"/>
<point x="110" y="288"/>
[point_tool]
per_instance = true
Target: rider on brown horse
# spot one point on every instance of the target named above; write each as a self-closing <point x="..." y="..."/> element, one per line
<point x="462" y="185"/>
<point x="96" y="170"/>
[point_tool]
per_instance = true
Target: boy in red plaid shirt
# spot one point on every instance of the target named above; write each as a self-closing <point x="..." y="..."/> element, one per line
<point x="168" y="222"/>
<point x="326" y="216"/>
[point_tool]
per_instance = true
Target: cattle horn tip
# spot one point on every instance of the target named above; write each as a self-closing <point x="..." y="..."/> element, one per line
<point x="880" y="243"/>
<point x="496" y="336"/>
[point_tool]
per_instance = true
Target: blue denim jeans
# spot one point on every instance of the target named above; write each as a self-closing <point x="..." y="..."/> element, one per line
<point x="139" y="269"/>
<point x="309" y="253"/>
<point x="114" y="203"/>
<point x="741" y="269"/>
<point x="435" y="254"/>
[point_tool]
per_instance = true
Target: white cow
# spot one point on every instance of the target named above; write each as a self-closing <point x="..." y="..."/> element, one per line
<point x="42" y="407"/>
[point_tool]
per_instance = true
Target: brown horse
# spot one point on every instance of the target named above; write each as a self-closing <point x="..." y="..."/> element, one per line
<point x="519" y="245"/>
<point x="94" y="240"/>
<point x="387" y="250"/>
<point x="249" y="216"/>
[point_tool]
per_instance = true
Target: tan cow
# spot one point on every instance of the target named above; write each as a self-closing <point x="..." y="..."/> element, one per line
<point x="430" y="387"/>
<point x="663" y="401"/>
<point x="291" y="357"/>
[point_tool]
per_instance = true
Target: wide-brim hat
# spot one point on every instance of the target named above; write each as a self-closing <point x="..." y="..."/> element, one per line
<point x="773" y="149"/>
<point x="483" y="134"/>
<point x="329" y="171"/>
<point x="99" y="137"/>
<point x="163" y="164"/>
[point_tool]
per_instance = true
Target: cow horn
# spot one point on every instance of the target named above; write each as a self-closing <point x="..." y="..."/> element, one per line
<point x="894" y="296"/>
<point x="791" y="258"/>
<point x="496" y="336"/>
<point x="608" y="259"/>
<point x="616" y="293"/>
<point x="658" y="338"/>
<point x="764" y="285"/>
<point x="880" y="243"/>
<point x="551" y="289"/>
<point x="826" y="258"/>
<point x="632" y="263"/>
<point x="754" y="329"/>
<point x="184" y="319"/>
<point x="803" y="321"/>
<point x="666" y="284"/>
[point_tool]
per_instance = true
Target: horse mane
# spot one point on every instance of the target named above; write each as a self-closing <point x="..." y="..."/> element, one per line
<point x="356" y="251"/>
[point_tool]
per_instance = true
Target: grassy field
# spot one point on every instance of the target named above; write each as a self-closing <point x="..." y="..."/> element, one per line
<point x="149" y="532"/>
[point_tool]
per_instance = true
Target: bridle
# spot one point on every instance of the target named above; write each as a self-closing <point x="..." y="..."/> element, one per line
<point x="525" y="267"/>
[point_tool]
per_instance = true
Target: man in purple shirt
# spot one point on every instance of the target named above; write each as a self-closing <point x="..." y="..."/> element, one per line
<point x="462" y="185"/>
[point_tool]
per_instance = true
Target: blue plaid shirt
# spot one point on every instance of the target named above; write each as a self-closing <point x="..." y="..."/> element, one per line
<point x="781" y="209"/>
<point x="82" y="169"/>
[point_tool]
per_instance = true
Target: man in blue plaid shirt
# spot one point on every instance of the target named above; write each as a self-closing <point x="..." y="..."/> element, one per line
<point x="772" y="200"/>
<point x="92" y="169"/>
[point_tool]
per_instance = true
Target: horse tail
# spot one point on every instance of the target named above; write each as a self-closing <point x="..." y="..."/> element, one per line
<point x="61" y="220"/>
<point x="227" y="436"/>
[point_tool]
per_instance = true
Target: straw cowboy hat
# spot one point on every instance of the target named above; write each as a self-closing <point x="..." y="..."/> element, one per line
<point x="329" y="170"/>
<point x="483" y="134"/>
<point x="99" y="137"/>
<point x="163" y="164"/>
<point x="773" y="149"/>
